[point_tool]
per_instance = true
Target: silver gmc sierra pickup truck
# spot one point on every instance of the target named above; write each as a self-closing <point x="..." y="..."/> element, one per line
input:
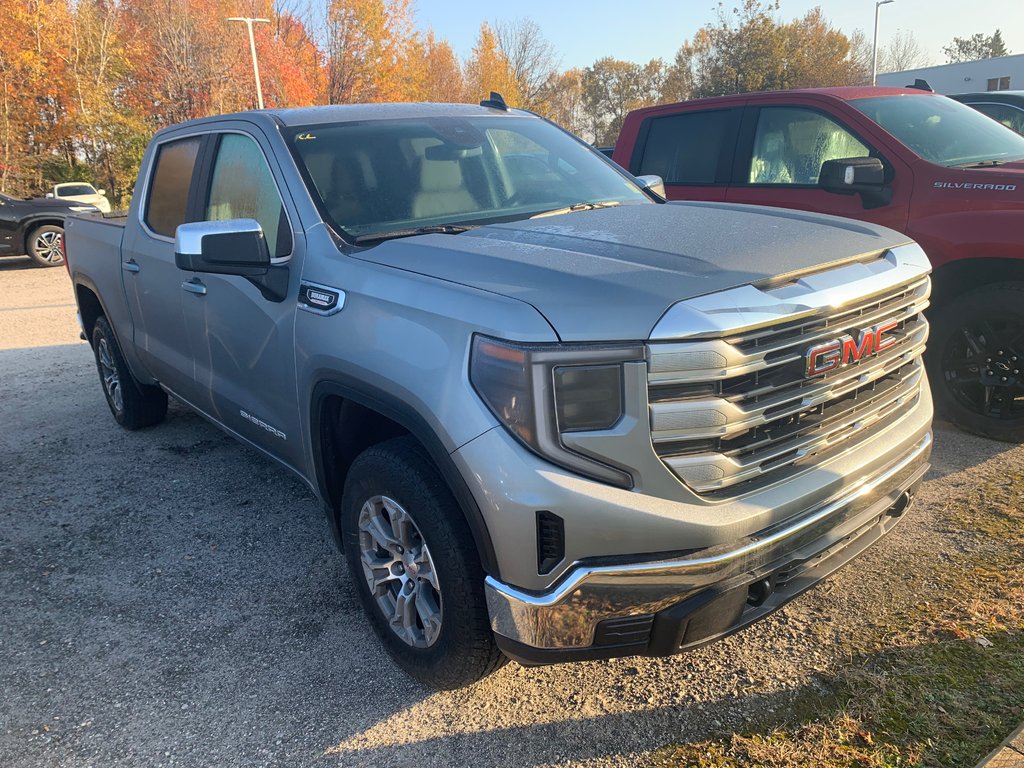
<point x="550" y="416"/>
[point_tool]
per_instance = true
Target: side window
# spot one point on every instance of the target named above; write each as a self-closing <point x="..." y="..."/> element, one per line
<point x="1011" y="117"/>
<point x="168" y="189"/>
<point x="684" y="149"/>
<point x="242" y="187"/>
<point x="791" y="144"/>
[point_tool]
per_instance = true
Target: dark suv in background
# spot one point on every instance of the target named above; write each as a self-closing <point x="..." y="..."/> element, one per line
<point x="1005" y="106"/>
<point x="35" y="227"/>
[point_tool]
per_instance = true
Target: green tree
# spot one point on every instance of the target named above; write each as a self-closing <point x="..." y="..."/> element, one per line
<point x="977" y="46"/>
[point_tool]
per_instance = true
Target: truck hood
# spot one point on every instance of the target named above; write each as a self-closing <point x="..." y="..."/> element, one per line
<point x="610" y="274"/>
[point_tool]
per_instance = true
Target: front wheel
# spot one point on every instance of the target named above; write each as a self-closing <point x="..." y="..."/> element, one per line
<point x="976" y="361"/>
<point x="44" y="245"/>
<point x="415" y="567"/>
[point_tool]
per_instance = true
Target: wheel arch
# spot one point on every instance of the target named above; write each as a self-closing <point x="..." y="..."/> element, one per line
<point x="956" y="278"/>
<point x="375" y="416"/>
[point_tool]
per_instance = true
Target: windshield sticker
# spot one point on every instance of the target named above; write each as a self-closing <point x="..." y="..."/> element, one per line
<point x="305" y="137"/>
<point x="969" y="185"/>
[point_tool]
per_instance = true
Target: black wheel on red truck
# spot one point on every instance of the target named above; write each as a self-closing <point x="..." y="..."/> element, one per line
<point x="415" y="567"/>
<point x="134" y="405"/>
<point x="976" y="361"/>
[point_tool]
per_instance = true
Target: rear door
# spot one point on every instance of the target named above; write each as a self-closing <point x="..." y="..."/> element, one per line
<point x="692" y="151"/>
<point x="154" y="286"/>
<point x="780" y="152"/>
<point x="243" y="340"/>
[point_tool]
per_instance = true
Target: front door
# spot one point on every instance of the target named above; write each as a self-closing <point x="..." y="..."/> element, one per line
<point x="779" y="165"/>
<point x="243" y="341"/>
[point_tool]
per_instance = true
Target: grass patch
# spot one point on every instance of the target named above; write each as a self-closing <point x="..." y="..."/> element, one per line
<point x="936" y="684"/>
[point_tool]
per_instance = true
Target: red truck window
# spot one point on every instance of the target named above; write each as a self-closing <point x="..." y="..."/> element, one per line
<point x="792" y="143"/>
<point x="685" y="148"/>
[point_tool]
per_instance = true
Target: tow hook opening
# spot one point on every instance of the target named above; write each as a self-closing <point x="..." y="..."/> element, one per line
<point x="902" y="505"/>
<point x="760" y="591"/>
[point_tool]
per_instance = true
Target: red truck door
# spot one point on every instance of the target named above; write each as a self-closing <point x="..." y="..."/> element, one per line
<point x="781" y="148"/>
<point x="692" y="151"/>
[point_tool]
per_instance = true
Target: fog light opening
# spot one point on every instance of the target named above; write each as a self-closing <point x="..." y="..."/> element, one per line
<point x="760" y="591"/>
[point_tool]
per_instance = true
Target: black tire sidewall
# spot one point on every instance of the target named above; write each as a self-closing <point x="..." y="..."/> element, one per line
<point x="400" y="470"/>
<point x="142" y="406"/>
<point x="947" y="321"/>
<point x="30" y="239"/>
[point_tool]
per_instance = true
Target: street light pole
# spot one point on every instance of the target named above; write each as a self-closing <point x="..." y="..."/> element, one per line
<point x="252" y="48"/>
<point x="874" y="44"/>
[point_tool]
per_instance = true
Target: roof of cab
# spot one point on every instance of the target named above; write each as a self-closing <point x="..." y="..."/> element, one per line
<point x="843" y="93"/>
<point x="345" y="113"/>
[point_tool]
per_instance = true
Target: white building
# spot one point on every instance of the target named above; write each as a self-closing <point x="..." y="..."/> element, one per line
<point x="1002" y="74"/>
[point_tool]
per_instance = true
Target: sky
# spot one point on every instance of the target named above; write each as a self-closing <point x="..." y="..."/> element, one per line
<point x="646" y="29"/>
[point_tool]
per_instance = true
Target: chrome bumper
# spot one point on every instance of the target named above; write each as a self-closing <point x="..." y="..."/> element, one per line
<point x="565" y="617"/>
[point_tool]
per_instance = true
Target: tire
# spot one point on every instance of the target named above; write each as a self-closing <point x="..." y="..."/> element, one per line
<point x="43" y="245"/>
<point x="444" y="640"/>
<point x="133" y="405"/>
<point x="975" y="361"/>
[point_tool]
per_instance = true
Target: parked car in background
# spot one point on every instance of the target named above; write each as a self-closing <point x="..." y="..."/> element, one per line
<point x="80" y="192"/>
<point x="1005" y="106"/>
<point x="921" y="163"/>
<point x="548" y="414"/>
<point x="35" y="227"/>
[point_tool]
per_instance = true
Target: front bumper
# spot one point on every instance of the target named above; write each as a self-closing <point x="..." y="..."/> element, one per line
<point x="664" y="606"/>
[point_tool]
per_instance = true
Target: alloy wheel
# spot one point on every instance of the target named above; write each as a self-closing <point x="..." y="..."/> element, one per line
<point x="983" y="366"/>
<point x="108" y="372"/>
<point x="399" y="571"/>
<point x="46" y="247"/>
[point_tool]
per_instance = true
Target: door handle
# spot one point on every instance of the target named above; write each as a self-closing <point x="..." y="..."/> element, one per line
<point x="130" y="266"/>
<point x="194" y="286"/>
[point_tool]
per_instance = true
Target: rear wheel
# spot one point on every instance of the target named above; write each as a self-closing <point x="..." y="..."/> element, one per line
<point x="133" y="405"/>
<point x="415" y="567"/>
<point x="976" y="361"/>
<point x="44" y="245"/>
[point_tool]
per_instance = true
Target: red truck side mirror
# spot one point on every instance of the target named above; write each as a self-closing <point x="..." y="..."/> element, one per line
<point x="856" y="175"/>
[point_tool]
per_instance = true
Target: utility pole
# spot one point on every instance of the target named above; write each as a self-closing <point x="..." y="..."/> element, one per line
<point x="874" y="44"/>
<point x="256" y="67"/>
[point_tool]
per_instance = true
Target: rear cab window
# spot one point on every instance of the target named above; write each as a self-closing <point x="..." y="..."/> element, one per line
<point x="687" y="148"/>
<point x="167" y="199"/>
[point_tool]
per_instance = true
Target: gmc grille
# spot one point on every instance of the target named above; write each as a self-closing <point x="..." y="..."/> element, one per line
<point x="733" y="413"/>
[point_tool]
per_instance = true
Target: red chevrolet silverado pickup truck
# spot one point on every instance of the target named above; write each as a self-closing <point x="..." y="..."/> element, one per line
<point x="934" y="169"/>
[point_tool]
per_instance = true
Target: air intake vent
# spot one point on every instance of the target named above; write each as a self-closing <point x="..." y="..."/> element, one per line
<point x="550" y="541"/>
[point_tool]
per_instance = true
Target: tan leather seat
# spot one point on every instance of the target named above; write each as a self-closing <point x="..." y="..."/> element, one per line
<point x="442" y="190"/>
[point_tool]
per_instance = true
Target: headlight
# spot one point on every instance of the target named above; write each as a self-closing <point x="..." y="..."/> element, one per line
<point x="542" y="391"/>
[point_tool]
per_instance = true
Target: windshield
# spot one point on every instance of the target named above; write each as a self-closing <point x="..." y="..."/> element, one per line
<point x="74" y="190"/>
<point x="942" y="130"/>
<point x="389" y="175"/>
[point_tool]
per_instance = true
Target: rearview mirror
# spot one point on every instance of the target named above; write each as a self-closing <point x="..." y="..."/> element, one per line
<point x="652" y="183"/>
<point x="230" y="247"/>
<point x="49" y="195"/>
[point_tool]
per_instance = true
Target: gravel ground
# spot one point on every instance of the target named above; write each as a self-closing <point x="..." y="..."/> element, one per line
<point x="171" y="598"/>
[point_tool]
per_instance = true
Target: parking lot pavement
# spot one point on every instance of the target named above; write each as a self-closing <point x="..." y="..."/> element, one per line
<point x="169" y="597"/>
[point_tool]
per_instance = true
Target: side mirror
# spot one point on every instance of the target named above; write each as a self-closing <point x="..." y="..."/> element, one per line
<point x="652" y="183"/>
<point x="852" y="175"/>
<point x="230" y="247"/>
<point x="49" y="195"/>
<point x="101" y="192"/>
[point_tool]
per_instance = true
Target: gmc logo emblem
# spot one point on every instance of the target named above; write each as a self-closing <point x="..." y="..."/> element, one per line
<point x="838" y="353"/>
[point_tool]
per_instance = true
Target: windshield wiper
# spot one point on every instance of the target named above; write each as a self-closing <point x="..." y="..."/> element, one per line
<point x="437" y="229"/>
<point x="979" y="164"/>
<point x="584" y="206"/>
